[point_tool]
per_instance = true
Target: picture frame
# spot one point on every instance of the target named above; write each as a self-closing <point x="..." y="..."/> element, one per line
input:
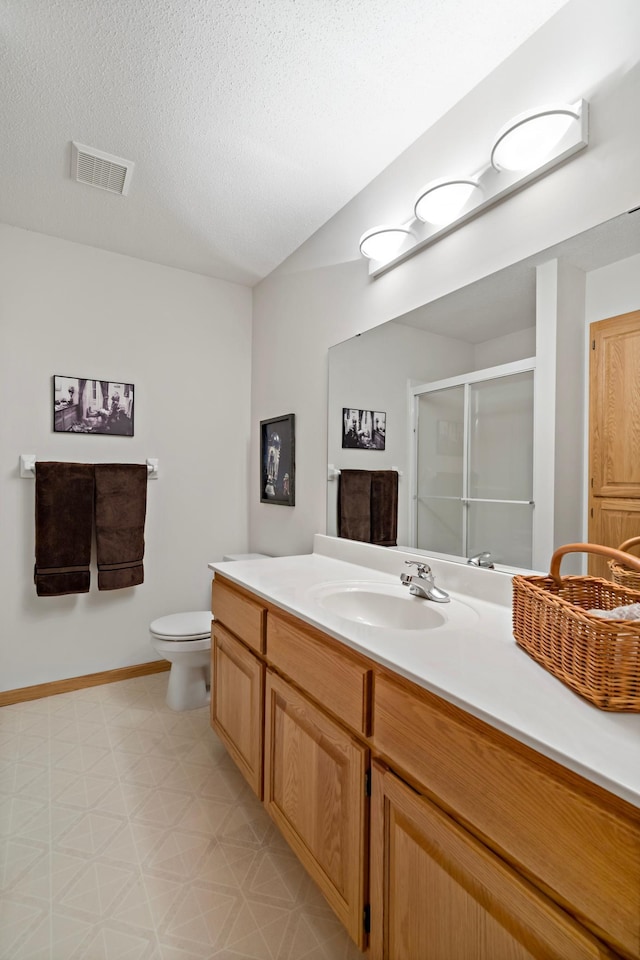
<point x="277" y="460"/>
<point x="363" y="429"/>
<point x="84" y="405"/>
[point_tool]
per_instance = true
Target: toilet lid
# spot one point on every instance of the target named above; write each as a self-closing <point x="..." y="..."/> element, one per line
<point x="180" y="626"/>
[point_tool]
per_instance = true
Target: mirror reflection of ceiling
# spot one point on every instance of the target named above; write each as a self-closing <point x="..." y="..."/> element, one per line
<point x="505" y="302"/>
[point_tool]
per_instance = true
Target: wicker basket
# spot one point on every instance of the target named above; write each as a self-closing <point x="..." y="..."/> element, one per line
<point x="621" y="574"/>
<point x="599" y="659"/>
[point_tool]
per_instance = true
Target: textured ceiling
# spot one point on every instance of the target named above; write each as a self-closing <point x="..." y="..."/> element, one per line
<point x="251" y="122"/>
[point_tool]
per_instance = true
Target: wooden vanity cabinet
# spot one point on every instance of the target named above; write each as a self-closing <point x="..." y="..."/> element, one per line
<point x="473" y="846"/>
<point x="289" y="702"/>
<point x="573" y="841"/>
<point x="237" y="703"/>
<point x="437" y="893"/>
<point x="237" y="677"/>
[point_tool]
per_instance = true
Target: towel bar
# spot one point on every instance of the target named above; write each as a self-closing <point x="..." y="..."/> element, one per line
<point x="333" y="472"/>
<point x="27" y="466"/>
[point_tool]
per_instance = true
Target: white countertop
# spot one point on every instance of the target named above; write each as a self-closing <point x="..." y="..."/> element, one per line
<point x="481" y="670"/>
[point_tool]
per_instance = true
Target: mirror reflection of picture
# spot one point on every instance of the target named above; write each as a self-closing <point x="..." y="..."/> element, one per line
<point x="277" y="447"/>
<point x="363" y="429"/>
<point x="81" y="405"/>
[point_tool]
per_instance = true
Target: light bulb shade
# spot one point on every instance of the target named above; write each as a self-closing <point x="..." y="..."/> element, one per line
<point x="528" y="140"/>
<point x="383" y="243"/>
<point x="442" y="201"/>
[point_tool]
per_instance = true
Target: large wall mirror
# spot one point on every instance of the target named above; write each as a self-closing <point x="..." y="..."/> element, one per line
<point x="454" y="396"/>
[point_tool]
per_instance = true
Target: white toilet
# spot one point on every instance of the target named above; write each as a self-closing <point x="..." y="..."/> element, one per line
<point x="185" y="640"/>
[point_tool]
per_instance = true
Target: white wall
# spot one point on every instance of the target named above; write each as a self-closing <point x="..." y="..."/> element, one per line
<point x="184" y="341"/>
<point x="519" y="345"/>
<point x="613" y="290"/>
<point x="322" y="294"/>
<point x="372" y="373"/>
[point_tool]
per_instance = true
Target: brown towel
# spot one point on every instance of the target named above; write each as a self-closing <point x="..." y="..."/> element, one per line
<point x="64" y="516"/>
<point x="368" y="506"/>
<point x="384" y="507"/>
<point x="354" y="505"/>
<point x="121" y="504"/>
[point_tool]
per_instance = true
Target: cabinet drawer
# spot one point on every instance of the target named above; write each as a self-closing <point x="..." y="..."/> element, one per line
<point x="237" y="703"/>
<point x="240" y="614"/>
<point x="337" y="680"/>
<point x="579" y="845"/>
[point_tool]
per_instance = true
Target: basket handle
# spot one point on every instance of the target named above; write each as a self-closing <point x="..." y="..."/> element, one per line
<point x="633" y="542"/>
<point x="625" y="558"/>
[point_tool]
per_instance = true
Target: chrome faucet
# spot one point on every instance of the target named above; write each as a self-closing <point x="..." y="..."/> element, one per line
<point x="482" y="560"/>
<point x="422" y="584"/>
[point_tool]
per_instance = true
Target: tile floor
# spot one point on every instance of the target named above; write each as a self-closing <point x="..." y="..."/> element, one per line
<point x="126" y="833"/>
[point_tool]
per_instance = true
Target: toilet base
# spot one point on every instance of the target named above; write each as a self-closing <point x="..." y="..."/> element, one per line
<point x="188" y="687"/>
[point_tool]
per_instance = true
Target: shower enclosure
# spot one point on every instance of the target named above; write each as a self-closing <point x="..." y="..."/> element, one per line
<point x="473" y="464"/>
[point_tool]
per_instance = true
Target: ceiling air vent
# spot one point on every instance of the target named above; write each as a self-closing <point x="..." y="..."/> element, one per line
<point x="100" y="169"/>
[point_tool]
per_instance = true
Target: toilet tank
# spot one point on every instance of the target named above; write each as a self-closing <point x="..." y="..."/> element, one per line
<point x="244" y="556"/>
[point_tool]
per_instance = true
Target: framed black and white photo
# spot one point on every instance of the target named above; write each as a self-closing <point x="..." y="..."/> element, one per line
<point x="81" y="405"/>
<point x="277" y="460"/>
<point x="363" y="429"/>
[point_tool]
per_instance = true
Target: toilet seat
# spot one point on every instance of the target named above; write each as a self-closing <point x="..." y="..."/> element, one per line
<point x="192" y="625"/>
<point x="172" y="647"/>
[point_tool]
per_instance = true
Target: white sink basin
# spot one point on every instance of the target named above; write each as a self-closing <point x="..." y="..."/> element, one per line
<point x="389" y="605"/>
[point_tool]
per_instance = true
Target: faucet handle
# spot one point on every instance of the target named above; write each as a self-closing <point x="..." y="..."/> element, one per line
<point x="423" y="568"/>
<point x="481" y="560"/>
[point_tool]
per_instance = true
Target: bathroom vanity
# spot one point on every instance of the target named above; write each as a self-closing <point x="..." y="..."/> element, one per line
<point x="450" y="798"/>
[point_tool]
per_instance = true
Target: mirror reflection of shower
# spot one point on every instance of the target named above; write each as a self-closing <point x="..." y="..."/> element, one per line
<point x="473" y="486"/>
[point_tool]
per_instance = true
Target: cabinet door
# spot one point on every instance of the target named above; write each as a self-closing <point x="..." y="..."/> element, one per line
<point x="614" y="407"/>
<point x="438" y="894"/>
<point x="612" y="521"/>
<point x="237" y="703"/>
<point x="315" y="778"/>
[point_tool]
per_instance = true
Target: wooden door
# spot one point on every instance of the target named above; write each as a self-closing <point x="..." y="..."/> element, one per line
<point x="314" y="789"/>
<point x="237" y="703"/>
<point x="613" y="521"/>
<point x="614" y="430"/>
<point x="438" y="894"/>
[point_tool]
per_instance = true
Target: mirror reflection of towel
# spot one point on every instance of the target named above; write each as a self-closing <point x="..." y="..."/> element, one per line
<point x="368" y="506"/>
<point x="384" y="507"/>
<point x="121" y="504"/>
<point x="354" y="505"/>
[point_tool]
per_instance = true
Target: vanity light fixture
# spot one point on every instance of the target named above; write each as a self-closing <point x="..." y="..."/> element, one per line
<point x="525" y="149"/>
<point x="442" y="201"/>
<point x="382" y="243"/>
<point x="526" y="141"/>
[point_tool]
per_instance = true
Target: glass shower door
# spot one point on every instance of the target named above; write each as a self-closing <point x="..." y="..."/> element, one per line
<point x="474" y="468"/>
<point x="500" y="487"/>
<point x="440" y="470"/>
